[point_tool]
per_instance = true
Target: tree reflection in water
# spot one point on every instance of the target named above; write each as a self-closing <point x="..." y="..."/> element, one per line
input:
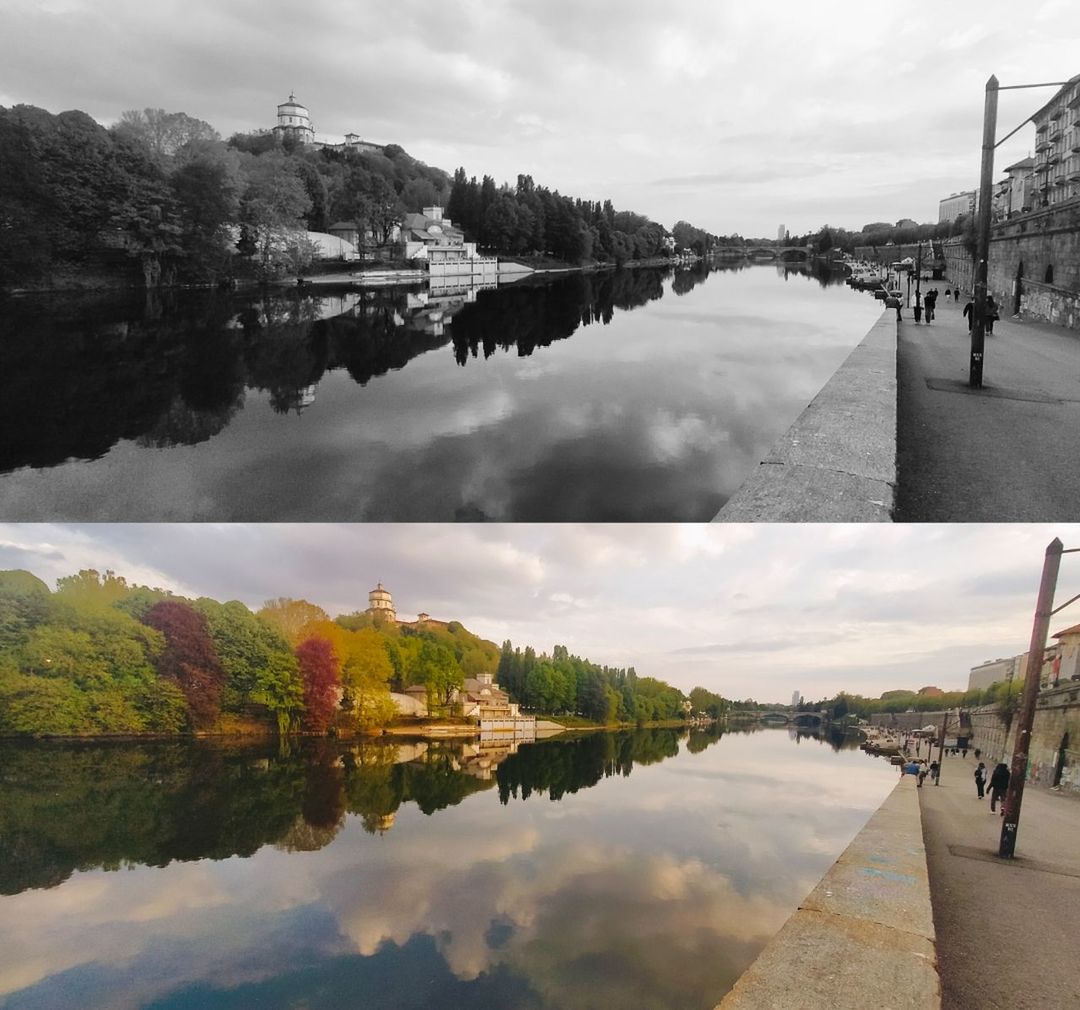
<point x="67" y="806"/>
<point x="82" y="373"/>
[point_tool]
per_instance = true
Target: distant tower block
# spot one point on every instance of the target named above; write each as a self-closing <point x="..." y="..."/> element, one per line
<point x="381" y="604"/>
<point x="781" y="233"/>
<point x="293" y="119"/>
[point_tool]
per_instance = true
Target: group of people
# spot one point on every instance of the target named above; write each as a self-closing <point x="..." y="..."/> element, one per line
<point x="998" y="782"/>
<point x="992" y="315"/>
<point x="927" y="302"/>
<point x="920" y="769"/>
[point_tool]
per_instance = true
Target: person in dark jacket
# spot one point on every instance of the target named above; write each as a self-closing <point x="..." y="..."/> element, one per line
<point x="930" y="302"/>
<point x="999" y="782"/>
<point x="980" y="779"/>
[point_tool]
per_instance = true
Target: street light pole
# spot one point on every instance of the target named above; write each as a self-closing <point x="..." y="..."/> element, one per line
<point x="982" y="238"/>
<point x="1039" y="630"/>
<point x="941" y="748"/>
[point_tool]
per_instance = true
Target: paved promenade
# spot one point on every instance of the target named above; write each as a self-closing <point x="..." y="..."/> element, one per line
<point x="1004" y="453"/>
<point x="1005" y="929"/>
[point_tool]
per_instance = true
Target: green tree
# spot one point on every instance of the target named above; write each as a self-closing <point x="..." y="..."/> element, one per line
<point x="435" y="667"/>
<point x="24" y="604"/>
<point x="162" y="133"/>
<point x="272" y="210"/>
<point x="291" y="618"/>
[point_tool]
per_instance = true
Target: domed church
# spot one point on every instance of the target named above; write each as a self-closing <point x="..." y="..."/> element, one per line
<point x="381" y="604"/>
<point x="294" y="120"/>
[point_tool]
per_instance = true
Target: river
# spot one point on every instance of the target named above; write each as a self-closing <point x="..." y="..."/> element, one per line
<point x="638" y="395"/>
<point x="642" y="869"/>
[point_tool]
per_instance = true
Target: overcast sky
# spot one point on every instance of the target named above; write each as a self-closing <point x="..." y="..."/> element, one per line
<point x="748" y="611"/>
<point x="737" y="116"/>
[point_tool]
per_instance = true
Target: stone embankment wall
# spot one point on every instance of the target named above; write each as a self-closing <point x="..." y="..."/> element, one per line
<point x="1055" y="737"/>
<point x="1034" y="266"/>
<point x="1054" y="751"/>
<point x="837" y="462"/>
<point x="864" y="937"/>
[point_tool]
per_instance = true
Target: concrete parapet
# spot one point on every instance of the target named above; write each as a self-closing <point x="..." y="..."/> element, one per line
<point x="864" y="937"/>
<point x="837" y="462"/>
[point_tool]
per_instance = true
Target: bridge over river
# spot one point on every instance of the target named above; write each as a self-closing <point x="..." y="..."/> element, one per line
<point x="763" y="252"/>
<point x="795" y="719"/>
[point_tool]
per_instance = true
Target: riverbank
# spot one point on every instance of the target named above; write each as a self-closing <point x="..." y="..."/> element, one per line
<point x="837" y="462"/>
<point x="864" y="937"/>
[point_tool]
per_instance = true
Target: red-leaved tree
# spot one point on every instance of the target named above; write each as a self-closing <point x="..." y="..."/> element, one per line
<point x="189" y="658"/>
<point x="321" y="674"/>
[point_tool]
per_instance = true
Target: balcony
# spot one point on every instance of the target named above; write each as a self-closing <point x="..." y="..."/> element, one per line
<point x="1056" y="113"/>
<point x="1041" y="127"/>
<point x="1043" y="145"/>
<point x="1055" y="135"/>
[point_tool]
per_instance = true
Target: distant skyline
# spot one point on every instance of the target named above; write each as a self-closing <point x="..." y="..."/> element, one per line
<point x="748" y="611"/>
<point x="733" y="116"/>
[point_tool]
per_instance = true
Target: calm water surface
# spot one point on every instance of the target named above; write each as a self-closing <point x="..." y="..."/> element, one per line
<point x="638" y="395"/>
<point x="641" y="869"/>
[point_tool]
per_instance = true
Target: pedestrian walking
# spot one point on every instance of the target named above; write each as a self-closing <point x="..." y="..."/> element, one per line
<point x="980" y="779"/>
<point x="963" y="752"/>
<point x="917" y="309"/>
<point x="931" y="305"/>
<point x="969" y="311"/>
<point x="991" y="314"/>
<point x="935" y="771"/>
<point x="922" y="773"/>
<point x="948" y="293"/>
<point x="956" y="294"/>
<point x="999" y="782"/>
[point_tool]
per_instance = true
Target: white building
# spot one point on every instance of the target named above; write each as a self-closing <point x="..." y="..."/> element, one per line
<point x="956" y="204"/>
<point x="993" y="671"/>
<point x="294" y="120"/>
<point x="381" y="604"/>
<point x="429" y="237"/>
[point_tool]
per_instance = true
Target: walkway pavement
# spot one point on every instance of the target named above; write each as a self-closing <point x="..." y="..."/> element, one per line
<point x="1006" y="929"/>
<point x="1005" y="453"/>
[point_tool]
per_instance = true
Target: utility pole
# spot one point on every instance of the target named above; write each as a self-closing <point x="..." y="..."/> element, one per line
<point x="918" y="268"/>
<point x="941" y="749"/>
<point x="1039" y="630"/>
<point x="982" y="238"/>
